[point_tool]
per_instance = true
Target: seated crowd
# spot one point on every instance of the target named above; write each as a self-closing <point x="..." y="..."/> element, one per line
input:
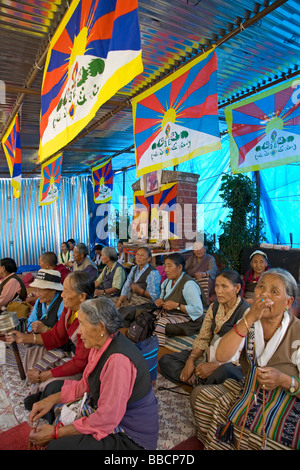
<point x="242" y="369"/>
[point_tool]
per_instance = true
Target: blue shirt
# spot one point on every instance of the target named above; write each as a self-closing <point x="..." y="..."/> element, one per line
<point x="33" y="316"/>
<point x="152" y="282"/>
<point x="191" y="294"/>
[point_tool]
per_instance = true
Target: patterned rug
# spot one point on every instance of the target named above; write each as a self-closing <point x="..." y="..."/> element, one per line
<point x="176" y="422"/>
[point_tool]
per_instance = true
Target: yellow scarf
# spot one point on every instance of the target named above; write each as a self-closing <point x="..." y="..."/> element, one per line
<point x="72" y="317"/>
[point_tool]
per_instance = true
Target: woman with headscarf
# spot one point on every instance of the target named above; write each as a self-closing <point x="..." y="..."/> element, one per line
<point x="258" y="265"/>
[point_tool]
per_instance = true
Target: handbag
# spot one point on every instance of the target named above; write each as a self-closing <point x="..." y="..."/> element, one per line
<point x="142" y="327"/>
<point x="66" y="413"/>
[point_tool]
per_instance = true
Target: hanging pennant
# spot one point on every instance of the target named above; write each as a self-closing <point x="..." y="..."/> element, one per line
<point x="102" y="176"/>
<point x="177" y="119"/>
<point x="50" y="180"/>
<point x="95" y="52"/>
<point x="264" y="130"/>
<point x="11" y="143"/>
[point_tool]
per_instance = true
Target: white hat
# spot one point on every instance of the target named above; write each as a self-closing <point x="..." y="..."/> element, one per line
<point x="258" y="252"/>
<point x="198" y="245"/>
<point x="48" y="279"/>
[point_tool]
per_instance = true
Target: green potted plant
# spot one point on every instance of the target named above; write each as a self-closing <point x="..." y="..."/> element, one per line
<point x="243" y="226"/>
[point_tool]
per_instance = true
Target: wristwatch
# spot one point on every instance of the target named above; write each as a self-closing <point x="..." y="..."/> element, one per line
<point x="292" y="388"/>
<point x="178" y="308"/>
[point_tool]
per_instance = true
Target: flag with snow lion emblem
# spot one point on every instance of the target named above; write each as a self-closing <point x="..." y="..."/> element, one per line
<point x="177" y="119"/>
<point x="264" y="130"/>
<point x="11" y="143"/>
<point x="102" y="176"/>
<point x="95" y="51"/>
<point x="50" y="180"/>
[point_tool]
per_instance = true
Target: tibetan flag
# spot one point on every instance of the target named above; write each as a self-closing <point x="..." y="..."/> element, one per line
<point x="11" y="143"/>
<point x="95" y="52"/>
<point x="177" y="119"/>
<point x="162" y="208"/>
<point x="264" y="130"/>
<point x="50" y="180"/>
<point x="102" y="176"/>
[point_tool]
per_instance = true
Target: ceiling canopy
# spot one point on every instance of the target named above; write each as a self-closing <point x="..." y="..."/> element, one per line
<point x="257" y="44"/>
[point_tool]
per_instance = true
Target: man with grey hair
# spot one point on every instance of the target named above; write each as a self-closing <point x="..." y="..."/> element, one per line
<point x="82" y="262"/>
<point x="203" y="268"/>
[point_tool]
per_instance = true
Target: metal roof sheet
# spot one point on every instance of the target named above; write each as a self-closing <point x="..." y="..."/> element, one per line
<point x="258" y="43"/>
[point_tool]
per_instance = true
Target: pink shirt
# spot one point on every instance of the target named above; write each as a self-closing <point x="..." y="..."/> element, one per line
<point x="117" y="380"/>
<point x="11" y="288"/>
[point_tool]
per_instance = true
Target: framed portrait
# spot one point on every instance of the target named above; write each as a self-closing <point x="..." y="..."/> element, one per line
<point x="152" y="183"/>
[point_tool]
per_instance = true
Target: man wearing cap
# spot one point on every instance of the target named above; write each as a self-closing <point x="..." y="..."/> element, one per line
<point x="48" y="307"/>
<point x="202" y="267"/>
<point x="258" y="265"/>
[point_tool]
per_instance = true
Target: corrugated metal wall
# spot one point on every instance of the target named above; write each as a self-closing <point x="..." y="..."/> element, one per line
<point x="27" y="229"/>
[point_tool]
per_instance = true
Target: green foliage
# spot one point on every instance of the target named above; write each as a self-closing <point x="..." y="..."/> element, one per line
<point x="243" y="227"/>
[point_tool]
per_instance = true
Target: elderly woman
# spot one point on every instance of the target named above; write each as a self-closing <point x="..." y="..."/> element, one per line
<point x="199" y="365"/>
<point x="180" y="299"/>
<point x="59" y="352"/>
<point x="65" y="255"/>
<point x="113" y="276"/>
<point x="11" y="286"/>
<point x="258" y="265"/>
<point x="263" y="412"/>
<point x="48" y="307"/>
<point x="125" y="410"/>
<point x="143" y="282"/>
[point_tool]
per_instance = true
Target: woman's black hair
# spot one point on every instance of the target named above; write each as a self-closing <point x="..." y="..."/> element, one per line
<point x="146" y="249"/>
<point x="177" y="258"/>
<point x="9" y="265"/>
<point x="82" y="283"/>
<point x="232" y="276"/>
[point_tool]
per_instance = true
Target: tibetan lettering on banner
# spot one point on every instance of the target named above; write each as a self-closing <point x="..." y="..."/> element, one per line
<point x="264" y="130"/>
<point x="95" y="52"/>
<point x="102" y="182"/>
<point x="177" y="119"/>
<point x="50" y="180"/>
<point x="11" y="143"/>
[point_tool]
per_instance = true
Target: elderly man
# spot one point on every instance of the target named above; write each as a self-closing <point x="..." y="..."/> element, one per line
<point x="83" y="263"/>
<point x="202" y="267"/>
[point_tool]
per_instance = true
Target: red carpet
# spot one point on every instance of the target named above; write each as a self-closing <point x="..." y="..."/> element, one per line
<point x="192" y="443"/>
<point x="15" y="438"/>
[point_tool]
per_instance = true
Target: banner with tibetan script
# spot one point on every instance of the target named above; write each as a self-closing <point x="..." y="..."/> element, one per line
<point x="102" y="176"/>
<point x="177" y="119"/>
<point x="264" y="130"/>
<point x="95" y="52"/>
<point x="50" y="180"/>
<point x="11" y="143"/>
